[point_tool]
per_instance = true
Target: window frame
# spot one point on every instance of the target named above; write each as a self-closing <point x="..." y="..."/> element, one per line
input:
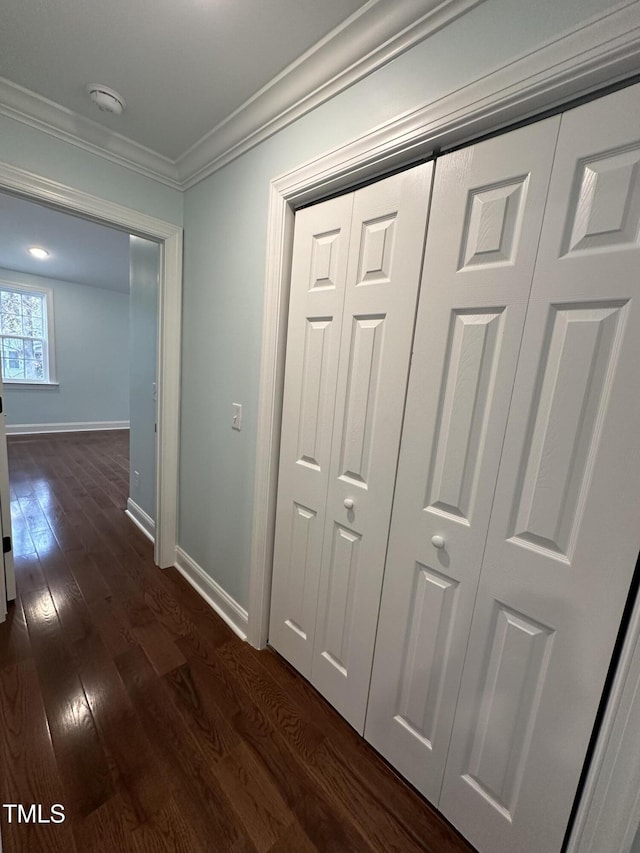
<point x="48" y="338"/>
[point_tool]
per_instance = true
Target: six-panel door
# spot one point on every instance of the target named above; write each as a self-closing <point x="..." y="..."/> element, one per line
<point x="318" y="276"/>
<point x="385" y="257"/>
<point x="564" y="532"/>
<point x="487" y="207"/>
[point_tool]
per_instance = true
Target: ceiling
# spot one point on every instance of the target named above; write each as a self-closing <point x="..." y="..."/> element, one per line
<point x="80" y="251"/>
<point x="203" y="81"/>
<point x="182" y="67"/>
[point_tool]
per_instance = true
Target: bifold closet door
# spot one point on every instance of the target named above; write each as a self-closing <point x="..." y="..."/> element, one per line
<point x="564" y="532"/>
<point x="348" y="351"/>
<point x="484" y="228"/>
<point x="318" y="276"/>
<point x="385" y="259"/>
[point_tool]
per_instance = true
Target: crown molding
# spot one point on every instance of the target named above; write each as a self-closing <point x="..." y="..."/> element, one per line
<point x="600" y="52"/>
<point x="375" y="34"/>
<point x="368" y="39"/>
<point x="29" y="108"/>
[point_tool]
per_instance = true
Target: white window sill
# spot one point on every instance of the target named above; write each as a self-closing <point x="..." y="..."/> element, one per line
<point x="9" y="384"/>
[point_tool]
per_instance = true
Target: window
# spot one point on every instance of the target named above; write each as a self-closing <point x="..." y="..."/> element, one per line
<point x="26" y="323"/>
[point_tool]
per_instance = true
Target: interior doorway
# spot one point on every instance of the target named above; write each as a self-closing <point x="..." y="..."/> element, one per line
<point x="166" y="240"/>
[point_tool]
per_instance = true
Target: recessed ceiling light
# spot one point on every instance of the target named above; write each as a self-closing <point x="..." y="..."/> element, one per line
<point x="38" y="252"/>
<point x="107" y="100"/>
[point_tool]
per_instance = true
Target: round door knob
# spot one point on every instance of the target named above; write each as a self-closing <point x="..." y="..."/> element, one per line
<point x="348" y="502"/>
<point x="437" y="541"/>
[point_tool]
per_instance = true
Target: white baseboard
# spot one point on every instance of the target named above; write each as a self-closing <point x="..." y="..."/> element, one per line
<point x="225" y="606"/>
<point x="141" y="519"/>
<point x="81" y="426"/>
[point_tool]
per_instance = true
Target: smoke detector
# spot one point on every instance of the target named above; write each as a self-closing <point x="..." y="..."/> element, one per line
<point x="106" y="99"/>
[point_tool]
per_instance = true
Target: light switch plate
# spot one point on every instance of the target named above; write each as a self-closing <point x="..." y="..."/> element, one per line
<point x="236" y="416"/>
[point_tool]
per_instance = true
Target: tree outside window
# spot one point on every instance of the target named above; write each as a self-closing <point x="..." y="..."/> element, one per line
<point x="24" y="334"/>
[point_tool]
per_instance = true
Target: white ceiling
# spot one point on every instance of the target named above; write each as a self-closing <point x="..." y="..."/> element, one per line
<point x="203" y="81"/>
<point x="80" y="251"/>
<point x="182" y="65"/>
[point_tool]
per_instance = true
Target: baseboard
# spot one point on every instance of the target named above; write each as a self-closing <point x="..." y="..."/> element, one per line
<point x="225" y="606"/>
<point x="81" y="426"/>
<point x="141" y="519"/>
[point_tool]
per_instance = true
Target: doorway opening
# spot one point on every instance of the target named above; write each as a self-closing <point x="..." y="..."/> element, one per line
<point x="165" y="240"/>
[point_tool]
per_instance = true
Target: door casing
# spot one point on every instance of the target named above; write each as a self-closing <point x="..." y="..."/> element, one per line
<point x="53" y="194"/>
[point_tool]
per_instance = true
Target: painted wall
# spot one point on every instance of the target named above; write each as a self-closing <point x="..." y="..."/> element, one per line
<point x="144" y="260"/>
<point x="30" y="149"/>
<point x="635" y="847"/>
<point x="91" y="326"/>
<point x="225" y="219"/>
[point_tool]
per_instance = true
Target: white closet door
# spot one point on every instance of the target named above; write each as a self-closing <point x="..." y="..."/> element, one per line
<point x="486" y="216"/>
<point x="318" y="275"/>
<point x="564" y="532"/>
<point x="387" y="241"/>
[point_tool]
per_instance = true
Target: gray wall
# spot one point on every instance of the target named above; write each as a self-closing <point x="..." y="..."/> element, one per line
<point x="225" y="219"/>
<point x="635" y="847"/>
<point x="91" y="327"/>
<point x="144" y="258"/>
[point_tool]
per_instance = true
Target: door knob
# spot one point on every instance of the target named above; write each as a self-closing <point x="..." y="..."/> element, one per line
<point x="437" y="541"/>
<point x="348" y="502"/>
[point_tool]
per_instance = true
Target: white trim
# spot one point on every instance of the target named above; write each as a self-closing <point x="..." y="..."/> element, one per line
<point x="591" y="55"/>
<point x="141" y="519"/>
<point x="367" y="40"/>
<point x="17" y="383"/>
<point x="609" y="811"/>
<point x="225" y="606"/>
<point x="48" y="117"/>
<point x="169" y="325"/>
<point x="603" y="51"/>
<point x="276" y="302"/>
<point x="80" y="426"/>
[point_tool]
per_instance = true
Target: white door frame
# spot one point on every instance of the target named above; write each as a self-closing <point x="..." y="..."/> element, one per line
<point x="602" y="52"/>
<point x="54" y="194"/>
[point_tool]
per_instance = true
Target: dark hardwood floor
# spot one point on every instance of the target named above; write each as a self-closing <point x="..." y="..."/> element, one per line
<point x="124" y="698"/>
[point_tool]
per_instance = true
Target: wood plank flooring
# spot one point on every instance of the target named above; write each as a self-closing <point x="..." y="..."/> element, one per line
<point x="125" y="698"/>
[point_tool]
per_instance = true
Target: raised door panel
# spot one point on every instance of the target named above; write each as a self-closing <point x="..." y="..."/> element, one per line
<point x="321" y="244"/>
<point x="564" y="533"/>
<point x="387" y="241"/>
<point x="485" y="223"/>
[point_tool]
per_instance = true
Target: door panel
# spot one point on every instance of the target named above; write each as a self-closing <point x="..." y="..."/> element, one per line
<point x="385" y="257"/>
<point x="321" y="244"/>
<point x="487" y="210"/>
<point x="564" y="533"/>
